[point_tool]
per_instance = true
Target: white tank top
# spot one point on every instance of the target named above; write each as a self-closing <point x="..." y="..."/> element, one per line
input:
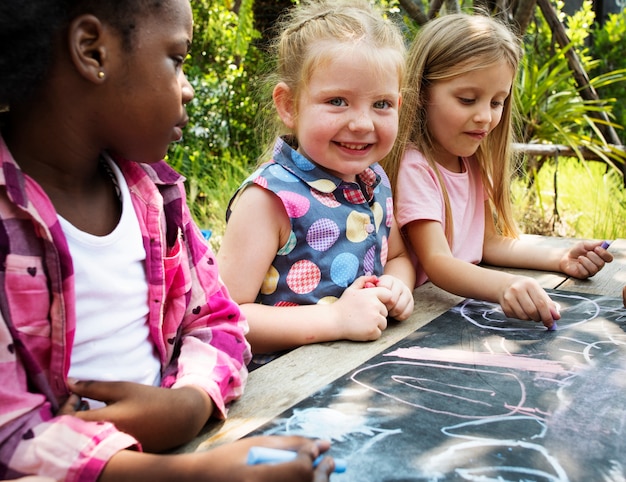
<point x="112" y="340"/>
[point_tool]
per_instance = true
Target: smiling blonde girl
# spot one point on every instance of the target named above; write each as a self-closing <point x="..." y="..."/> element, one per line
<point x="311" y="250"/>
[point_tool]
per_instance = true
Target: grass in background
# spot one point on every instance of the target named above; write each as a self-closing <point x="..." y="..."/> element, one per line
<point x="590" y="201"/>
<point x="209" y="188"/>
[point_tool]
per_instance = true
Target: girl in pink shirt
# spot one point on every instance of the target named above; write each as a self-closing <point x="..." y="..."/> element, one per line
<point x="451" y="168"/>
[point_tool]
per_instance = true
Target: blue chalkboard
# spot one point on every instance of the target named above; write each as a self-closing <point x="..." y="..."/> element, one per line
<point x="474" y="396"/>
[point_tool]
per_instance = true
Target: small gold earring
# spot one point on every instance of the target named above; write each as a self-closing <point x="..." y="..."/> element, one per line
<point x="101" y="75"/>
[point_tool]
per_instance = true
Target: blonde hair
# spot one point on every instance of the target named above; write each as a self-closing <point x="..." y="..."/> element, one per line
<point x="313" y="31"/>
<point x="444" y="48"/>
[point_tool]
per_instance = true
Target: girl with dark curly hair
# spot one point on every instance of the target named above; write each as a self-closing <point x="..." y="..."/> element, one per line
<point x="117" y="337"/>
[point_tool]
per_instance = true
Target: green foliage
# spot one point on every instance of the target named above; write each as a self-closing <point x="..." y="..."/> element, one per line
<point x="609" y="47"/>
<point x="550" y="105"/>
<point x="219" y="143"/>
<point x="579" y="24"/>
<point x="222" y="143"/>
<point x="538" y="36"/>
<point x="552" y="111"/>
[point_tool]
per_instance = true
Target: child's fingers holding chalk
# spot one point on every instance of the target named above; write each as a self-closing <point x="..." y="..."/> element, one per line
<point x="603" y="252"/>
<point x="266" y="455"/>
<point x="555" y="311"/>
<point x="324" y="469"/>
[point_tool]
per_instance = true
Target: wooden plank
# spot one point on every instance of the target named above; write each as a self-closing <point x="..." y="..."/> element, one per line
<point x="553" y="150"/>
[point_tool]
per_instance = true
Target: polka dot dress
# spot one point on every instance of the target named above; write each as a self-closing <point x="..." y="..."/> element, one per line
<point x="339" y="229"/>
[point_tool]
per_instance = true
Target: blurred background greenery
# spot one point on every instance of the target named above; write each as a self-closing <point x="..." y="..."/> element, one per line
<point x="566" y="196"/>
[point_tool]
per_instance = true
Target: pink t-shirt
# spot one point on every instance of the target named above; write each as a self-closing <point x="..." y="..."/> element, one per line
<point x="419" y="196"/>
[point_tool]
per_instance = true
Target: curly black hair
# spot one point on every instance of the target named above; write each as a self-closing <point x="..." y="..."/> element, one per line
<point x="28" y="30"/>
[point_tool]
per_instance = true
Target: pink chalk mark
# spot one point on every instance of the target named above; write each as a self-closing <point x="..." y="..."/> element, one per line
<point x="480" y="358"/>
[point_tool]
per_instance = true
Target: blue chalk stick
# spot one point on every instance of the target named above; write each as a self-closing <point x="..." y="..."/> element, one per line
<point x="605" y="244"/>
<point x="265" y="455"/>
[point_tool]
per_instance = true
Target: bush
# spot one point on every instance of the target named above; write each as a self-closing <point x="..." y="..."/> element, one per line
<point x="222" y="143"/>
<point x="219" y="143"/>
<point x="609" y="47"/>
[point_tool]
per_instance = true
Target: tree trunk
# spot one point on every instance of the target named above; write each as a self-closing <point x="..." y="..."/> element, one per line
<point x="523" y="14"/>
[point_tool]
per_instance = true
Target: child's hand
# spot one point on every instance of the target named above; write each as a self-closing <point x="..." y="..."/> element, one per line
<point x="400" y="306"/>
<point x="361" y="310"/>
<point x="160" y="418"/>
<point x="524" y="299"/>
<point x="73" y="404"/>
<point x="228" y="462"/>
<point x="585" y="259"/>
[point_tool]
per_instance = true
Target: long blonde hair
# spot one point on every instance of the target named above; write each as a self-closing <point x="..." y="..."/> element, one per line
<point x="446" y="47"/>
<point x="311" y="32"/>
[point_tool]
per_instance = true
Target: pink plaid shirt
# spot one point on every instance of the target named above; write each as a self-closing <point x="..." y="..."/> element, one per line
<point x="198" y="331"/>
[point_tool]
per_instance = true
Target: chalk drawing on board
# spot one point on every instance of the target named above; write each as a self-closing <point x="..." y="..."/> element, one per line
<point x="490" y="315"/>
<point x="333" y="425"/>
<point x="488" y="400"/>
